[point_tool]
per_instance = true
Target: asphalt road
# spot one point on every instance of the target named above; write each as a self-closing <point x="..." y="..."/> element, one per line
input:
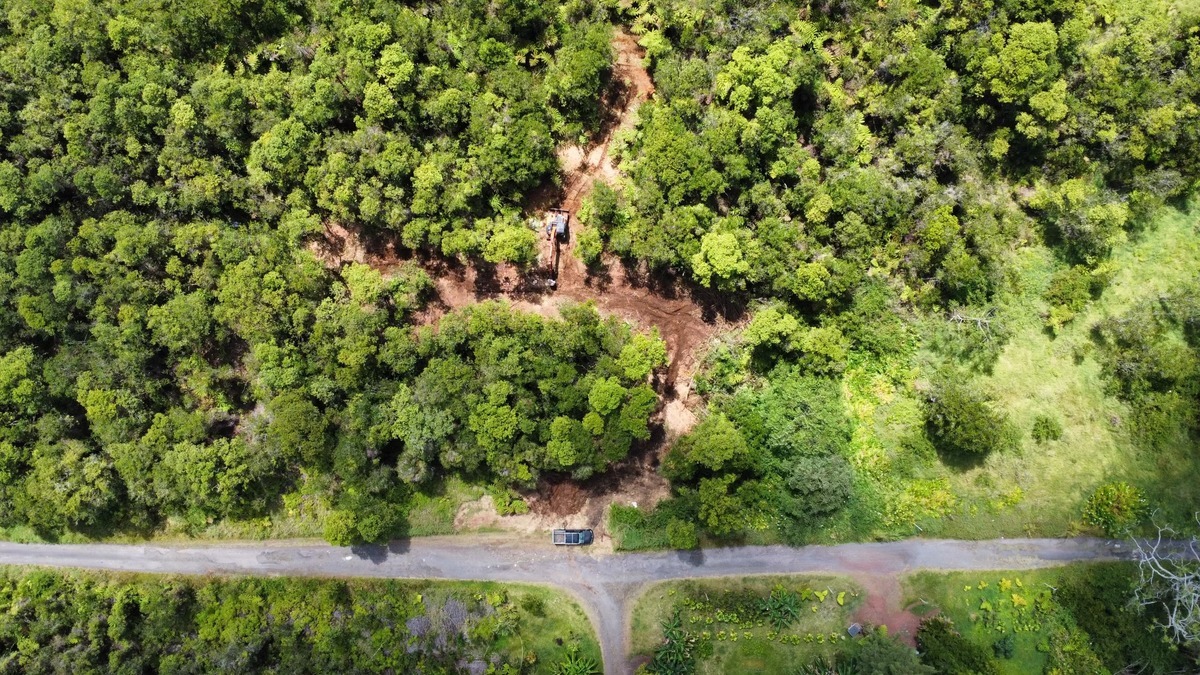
<point x="605" y="585"/>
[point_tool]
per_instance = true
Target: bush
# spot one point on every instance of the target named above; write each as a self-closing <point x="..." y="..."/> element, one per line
<point x="681" y="534"/>
<point x="1070" y="651"/>
<point x="1046" y="428"/>
<point x="877" y="654"/>
<point x="961" y="422"/>
<point x="507" y="501"/>
<point x="1114" y="508"/>
<point x="1162" y="418"/>
<point x="817" y="487"/>
<point x="633" y="529"/>
<point x="945" y="650"/>
<point x="1068" y="294"/>
<point x="793" y="415"/>
<point x="589" y="246"/>
<point x="1005" y="647"/>
<point x="534" y="604"/>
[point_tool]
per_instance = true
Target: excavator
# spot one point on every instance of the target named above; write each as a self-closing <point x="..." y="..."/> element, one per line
<point x="556" y="233"/>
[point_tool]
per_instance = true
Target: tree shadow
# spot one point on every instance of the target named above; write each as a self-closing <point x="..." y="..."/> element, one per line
<point x="959" y="462"/>
<point x="379" y="553"/>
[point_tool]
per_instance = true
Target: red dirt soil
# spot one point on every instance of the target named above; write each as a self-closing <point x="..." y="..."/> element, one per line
<point x="883" y="606"/>
<point x="558" y="499"/>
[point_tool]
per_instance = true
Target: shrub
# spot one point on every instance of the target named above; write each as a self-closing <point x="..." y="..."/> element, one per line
<point x="507" y="501"/>
<point x="676" y="654"/>
<point x="534" y="604"/>
<point x="575" y="663"/>
<point x="793" y="415"/>
<point x="877" y="654"/>
<point x="782" y="607"/>
<point x="1114" y="508"/>
<point x="1097" y="596"/>
<point x="1046" y="428"/>
<point x="1005" y="647"/>
<point x="945" y="650"/>
<point x="961" y="422"/>
<point x="1070" y="651"/>
<point x="681" y="534"/>
<point x="1162" y="418"/>
<point x="1068" y="294"/>
<point x="589" y="246"/>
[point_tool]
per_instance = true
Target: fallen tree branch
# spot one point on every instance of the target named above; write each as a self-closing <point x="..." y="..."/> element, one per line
<point x="1169" y="576"/>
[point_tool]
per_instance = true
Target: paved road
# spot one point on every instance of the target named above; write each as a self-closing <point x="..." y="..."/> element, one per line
<point x="605" y="585"/>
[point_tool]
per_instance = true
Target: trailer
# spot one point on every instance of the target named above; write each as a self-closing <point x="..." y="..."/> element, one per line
<point x="572" y="537"/>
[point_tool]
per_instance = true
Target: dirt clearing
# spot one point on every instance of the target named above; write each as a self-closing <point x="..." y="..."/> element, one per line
<point x="687" y="317"/>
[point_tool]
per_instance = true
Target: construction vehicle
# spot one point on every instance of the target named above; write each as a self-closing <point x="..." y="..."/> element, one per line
<point x="571" y="537"/>
<point x="556" y="233"/>
<point x="556" y="224"/>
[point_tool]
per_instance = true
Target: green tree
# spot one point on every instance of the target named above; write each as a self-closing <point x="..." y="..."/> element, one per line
<point x="715" y="446"/>
<point x="817" y="487"/>
<point x="606" y="395"/>
<point x="642" y="355"/>
<point x="681" y="534"/>
<point x="1024" y="61"/>
<point x="721" y="256"/>
<point x="297" y="429"/>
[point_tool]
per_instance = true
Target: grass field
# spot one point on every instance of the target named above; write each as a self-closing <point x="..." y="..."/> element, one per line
<point x="744" y="646"/>
<point x="1040" y="489"/>
<point x="948" y="595"/>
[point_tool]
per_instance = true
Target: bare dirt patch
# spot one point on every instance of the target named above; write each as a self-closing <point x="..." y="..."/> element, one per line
<point x="559" y="499"/>
<point x="884" y="606"/>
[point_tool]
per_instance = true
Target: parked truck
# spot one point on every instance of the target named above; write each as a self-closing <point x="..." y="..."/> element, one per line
<point x="572" y="537"/>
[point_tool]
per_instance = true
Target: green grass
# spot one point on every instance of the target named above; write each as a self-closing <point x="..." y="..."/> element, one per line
<point x="1042" y="374"/>
<point x="947" y="594"/>
<point x="756" y="654"/>
<point x="563" y="617"/>
<point x="1040" y="489"/>
<point x="1094" y="597"/>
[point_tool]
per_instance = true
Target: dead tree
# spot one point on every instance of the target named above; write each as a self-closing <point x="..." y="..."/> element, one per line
<point x="1169" y="576"/>
<point x="983" y="323"/>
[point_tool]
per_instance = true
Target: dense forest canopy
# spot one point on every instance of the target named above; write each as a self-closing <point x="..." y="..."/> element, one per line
<point x="170" y="347"/>
<point x="91" y="622"/>
<point x="868" y="173"/>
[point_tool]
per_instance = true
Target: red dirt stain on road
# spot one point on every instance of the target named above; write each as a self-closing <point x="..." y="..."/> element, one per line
<point x="884" y="606"/>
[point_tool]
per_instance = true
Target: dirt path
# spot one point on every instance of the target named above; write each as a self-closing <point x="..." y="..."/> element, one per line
<point x="686" y="317"/>
<point x="606" y="585"/>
